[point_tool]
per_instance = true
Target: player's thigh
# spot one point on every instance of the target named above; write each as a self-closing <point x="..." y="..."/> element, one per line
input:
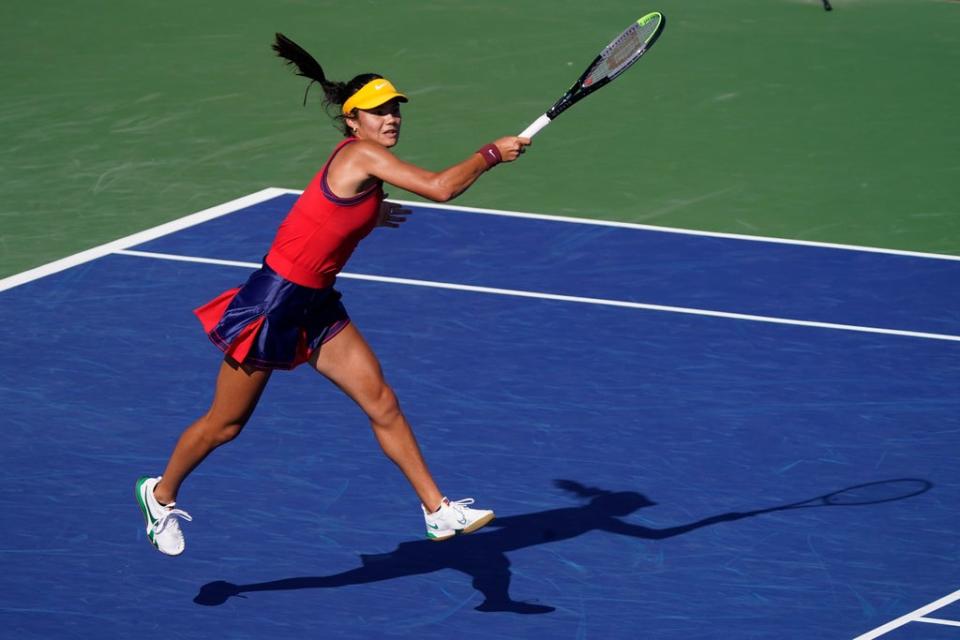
<point x="238" y="391"/>
<point x="349" y="362"/>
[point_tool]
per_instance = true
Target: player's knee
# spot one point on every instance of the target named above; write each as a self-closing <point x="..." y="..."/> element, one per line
<point x="222" y="432"/>
<point x="230" y="431"/>
<point x="385" y="408"/>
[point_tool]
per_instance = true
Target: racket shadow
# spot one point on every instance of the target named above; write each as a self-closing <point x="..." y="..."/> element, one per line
<point x="483" y="555"/>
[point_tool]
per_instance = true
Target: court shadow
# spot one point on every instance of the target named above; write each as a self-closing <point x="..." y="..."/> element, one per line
<point x="483" y="555"/>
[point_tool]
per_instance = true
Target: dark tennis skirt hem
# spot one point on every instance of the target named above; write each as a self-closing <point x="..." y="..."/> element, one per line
<point x="265" y="365"/>
<point x="271" y="322"/>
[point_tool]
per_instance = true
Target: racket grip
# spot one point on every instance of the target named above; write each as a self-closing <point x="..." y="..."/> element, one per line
<point x="535" y="126"/>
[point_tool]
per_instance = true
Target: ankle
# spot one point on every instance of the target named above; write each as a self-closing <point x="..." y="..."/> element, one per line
<point x="432" y="510"/>
<point x="163" y="497"/>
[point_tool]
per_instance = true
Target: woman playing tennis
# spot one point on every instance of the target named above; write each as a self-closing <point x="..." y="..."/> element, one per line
<point x="288" y="313"/>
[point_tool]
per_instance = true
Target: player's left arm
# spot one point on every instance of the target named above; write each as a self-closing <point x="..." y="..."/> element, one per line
<point x="392" y="214"/>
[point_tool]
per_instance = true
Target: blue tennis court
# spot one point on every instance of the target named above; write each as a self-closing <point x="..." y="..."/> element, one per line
<point x="636" y="404"/>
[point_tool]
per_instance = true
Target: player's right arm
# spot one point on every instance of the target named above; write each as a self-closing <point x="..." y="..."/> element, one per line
<point x="376" y="161"/>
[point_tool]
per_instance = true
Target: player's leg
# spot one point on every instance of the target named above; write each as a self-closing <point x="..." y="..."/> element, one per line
<point x="238" y="390"/>
<point x="348" y="362"/>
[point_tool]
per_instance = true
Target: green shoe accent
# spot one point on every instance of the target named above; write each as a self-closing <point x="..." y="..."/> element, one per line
<point x="151" y="522"/>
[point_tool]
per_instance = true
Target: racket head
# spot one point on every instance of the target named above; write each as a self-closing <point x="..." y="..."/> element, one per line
<point x="613" y="60"/>
<point x="626" y="49"/>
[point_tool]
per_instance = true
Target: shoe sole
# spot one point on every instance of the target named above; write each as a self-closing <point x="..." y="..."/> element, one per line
<point x="476" y="524"/>
<point x="481" y="522"/>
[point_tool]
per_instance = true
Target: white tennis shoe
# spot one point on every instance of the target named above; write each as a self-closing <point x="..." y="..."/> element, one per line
<point x="454" y="518"/>
<point x="163" y="528"/>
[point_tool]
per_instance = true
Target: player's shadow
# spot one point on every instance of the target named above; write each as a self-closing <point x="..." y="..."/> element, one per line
<point x="483" y="555"/>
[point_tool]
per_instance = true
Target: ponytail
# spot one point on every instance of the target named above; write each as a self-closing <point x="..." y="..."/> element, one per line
<point x="335" y="93"/>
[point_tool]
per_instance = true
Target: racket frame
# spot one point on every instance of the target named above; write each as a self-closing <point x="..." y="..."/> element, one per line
<point x="578" y="90"/>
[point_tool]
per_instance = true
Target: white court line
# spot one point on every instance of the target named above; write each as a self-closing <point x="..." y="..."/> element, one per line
<point x="913" y="616"/>
<point x="647" y="227"/>
<point x="272" y="192"/>
<point x="140" y="237"/>
<point x="949" y="623"/>
<point x="564" y="298"/>
<point x="686" y="232"/>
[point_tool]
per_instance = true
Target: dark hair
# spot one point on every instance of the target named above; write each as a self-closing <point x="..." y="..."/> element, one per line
<point x="335" y="93"/>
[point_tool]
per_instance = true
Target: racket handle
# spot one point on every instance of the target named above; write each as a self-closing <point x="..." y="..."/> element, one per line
<point x="535" y="126"/>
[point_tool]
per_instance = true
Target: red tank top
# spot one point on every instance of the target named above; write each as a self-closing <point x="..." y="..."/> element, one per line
<point x="321" y="231"/>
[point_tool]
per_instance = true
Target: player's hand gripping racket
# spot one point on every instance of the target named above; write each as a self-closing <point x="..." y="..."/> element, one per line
<point x="612" y="61"/>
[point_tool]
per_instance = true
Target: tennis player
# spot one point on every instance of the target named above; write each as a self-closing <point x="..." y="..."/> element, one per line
<point x="288" y="312"/>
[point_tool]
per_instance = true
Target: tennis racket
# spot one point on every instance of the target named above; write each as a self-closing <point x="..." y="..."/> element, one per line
<point x="615" y="58"/>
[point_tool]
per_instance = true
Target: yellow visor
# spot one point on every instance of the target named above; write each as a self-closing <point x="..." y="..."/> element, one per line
<point x="373" y="94"/>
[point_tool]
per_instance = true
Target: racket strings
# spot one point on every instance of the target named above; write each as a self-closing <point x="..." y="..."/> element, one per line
<point x="624" y="51"/>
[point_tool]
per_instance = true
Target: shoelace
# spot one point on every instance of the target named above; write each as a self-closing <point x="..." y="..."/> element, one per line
<point x="460" y="504"/>
<point x="170" y="515"/>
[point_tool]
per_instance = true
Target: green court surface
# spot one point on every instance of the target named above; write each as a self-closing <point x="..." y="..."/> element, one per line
<point x="765" y="117"/>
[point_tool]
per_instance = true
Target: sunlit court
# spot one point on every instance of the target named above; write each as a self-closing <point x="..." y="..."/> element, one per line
<point x="697" y="346"/>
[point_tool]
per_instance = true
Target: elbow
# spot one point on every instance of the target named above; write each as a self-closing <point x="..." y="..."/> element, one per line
<point x="445" y="195"/>
<point x="444" y="190"/>
<point x="441" y="191"/>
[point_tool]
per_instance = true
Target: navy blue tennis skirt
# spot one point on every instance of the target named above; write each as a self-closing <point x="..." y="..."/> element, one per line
<point x="272" y="323"/>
